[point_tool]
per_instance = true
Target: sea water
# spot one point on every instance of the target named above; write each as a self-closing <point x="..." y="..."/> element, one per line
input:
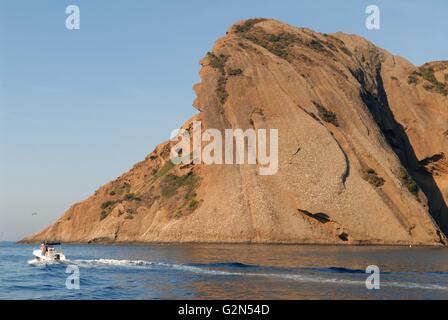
<point x="212" y="271"/>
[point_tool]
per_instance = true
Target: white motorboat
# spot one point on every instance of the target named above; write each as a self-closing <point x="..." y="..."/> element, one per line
<point x="48" y="253"/>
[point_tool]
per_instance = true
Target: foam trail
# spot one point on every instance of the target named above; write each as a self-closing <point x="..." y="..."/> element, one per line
<point x="37" y="262"/>
<point x="33" y="262"/>
<point x="110" y="262"/>
<point x="214" y="272"/>
<point x="304" y="278"/>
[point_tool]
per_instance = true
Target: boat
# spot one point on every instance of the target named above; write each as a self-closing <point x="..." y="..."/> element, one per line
<point x="48" y="253"/>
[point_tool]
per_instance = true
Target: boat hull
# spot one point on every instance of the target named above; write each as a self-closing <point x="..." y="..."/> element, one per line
<point x="49" y="256"/>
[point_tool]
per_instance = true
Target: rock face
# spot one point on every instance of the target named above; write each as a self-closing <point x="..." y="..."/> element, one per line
<point x="363" y="146"/>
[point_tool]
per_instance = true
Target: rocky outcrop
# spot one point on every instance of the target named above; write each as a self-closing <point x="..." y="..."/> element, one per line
<point x="362" y="151"/>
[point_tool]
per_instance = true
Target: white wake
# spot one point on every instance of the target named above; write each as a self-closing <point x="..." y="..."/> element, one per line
<point x="213" y="272"/>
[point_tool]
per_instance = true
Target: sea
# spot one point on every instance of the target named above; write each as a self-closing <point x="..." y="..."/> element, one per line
<point x="225" y="271"/>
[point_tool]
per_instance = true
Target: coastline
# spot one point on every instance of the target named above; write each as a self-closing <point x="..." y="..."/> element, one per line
<point x="167" y="243"/>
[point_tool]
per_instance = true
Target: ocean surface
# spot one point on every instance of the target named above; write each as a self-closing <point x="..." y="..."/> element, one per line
<point x="206" y="271"/>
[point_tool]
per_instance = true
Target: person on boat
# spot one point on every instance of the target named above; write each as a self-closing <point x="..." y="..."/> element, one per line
<point x="43" y="248"/>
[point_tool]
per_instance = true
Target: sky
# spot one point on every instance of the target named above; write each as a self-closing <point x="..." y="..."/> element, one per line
<point x="79" y="107"/>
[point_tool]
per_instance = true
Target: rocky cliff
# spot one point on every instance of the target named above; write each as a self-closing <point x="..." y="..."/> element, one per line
<point x="363" y="145"/>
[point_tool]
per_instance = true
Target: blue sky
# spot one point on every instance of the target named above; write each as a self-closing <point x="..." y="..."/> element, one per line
<point x="78" y="108"/>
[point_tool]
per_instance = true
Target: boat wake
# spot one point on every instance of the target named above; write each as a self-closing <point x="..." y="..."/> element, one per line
<point x="37" y="262"/>
<point x="211" y="270"/>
